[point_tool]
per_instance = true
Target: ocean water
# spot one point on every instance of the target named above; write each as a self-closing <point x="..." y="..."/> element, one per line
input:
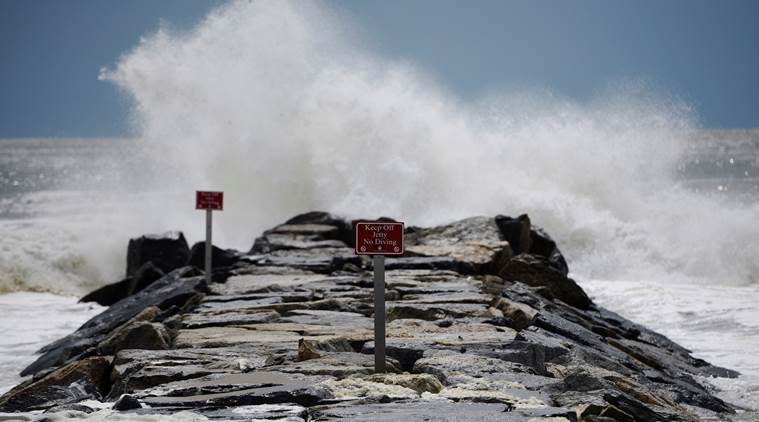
<point x="282" y="106"/>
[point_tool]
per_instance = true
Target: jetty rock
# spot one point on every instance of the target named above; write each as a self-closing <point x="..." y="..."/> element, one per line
<point x="483" y="323"/>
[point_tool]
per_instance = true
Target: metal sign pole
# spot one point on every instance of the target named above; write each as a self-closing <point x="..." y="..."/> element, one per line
<point x="209" y="246"/>
<point x="379" y="313"/>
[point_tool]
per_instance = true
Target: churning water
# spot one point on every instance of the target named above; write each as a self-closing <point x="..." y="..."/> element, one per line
<point x="280" y="105"/>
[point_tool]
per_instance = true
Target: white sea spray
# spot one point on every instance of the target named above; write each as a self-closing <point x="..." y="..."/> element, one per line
<point x="277" y="104"/>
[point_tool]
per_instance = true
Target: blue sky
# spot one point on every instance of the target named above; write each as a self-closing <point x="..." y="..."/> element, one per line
<point x="704" y="52"/>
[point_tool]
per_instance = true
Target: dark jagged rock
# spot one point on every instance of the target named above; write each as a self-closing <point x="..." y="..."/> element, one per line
<point x="127" y="402"/>
<point x="220" y="258"/>
<point x="534" y="270"/>
<point x="171" y="290"/>
<point x="112" y="293"/>
<point x="516" y="231"/>
<point x="167" y="251"/>
<point x="122" y="336"/>
<point x="405" y="352"/>
<point x="554" y="348"/>
<point x="655" y="358"/>
<point x="543" y="245"/>
<point x="526" y="238"/>
<point x="85" y="379"/>
<point x="321" y="217"/>
<point x="525" y="353"/>
<point x="146" y="275"/>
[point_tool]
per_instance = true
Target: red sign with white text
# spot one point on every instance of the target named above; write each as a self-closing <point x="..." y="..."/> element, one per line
<point x="373" y="238"/>
<point x="209" y="200"/>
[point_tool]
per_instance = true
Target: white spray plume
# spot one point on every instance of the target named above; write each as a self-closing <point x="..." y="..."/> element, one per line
<point x="278" y="105"/>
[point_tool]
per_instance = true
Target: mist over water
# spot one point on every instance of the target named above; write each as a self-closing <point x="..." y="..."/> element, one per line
<point x="279" y="105"/>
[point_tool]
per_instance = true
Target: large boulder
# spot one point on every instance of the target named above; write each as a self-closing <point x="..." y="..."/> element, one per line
<point x="114" y="292"/>
<point x="527" y="238"/>
<point x="317" y="259"/>
<point x="472" y="242"/>
<point x="311" y="230"/>
<point x="138" y="333"/>
<point x="516" y="231"/>
<point x="518" y="315"/>
<point x="146" y="275"/>
<point x="313" y="349"/>
<point x="536" y="271"/>
<point x="110" y="293"/>
<point x="85" y="379"/>
<point x="126" y="402"/>
<point x="220" y="258"/>
<point x="137" y="369"/>
<point x="420" y="383"/>
<point x="542" y="244"/>
<point x="166" y="251"/>
<point x="239" y="391"/>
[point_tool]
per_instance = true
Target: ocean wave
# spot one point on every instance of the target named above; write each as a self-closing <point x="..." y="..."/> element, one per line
<point x="279" y="105"/>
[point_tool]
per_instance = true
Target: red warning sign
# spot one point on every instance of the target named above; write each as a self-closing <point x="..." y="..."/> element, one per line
<point x="209" y="200"/>
<point x="373" y="238"/>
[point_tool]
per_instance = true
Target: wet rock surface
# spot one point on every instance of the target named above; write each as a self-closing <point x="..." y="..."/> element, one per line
<point x="166" y="251"/>
<point x="114" y="292"/>
<point x="220" y="258"/>
<point x="169" y="294"/>
<point x="85" y="379"/>
<point x="482" y="324"/>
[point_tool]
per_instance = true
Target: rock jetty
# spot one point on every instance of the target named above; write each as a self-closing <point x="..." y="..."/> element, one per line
<point x="483" y="323"/>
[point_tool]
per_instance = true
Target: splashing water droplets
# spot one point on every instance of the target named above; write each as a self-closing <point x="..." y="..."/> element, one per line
<point x="273" y="103"/>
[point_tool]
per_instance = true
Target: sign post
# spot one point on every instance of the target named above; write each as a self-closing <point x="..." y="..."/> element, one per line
<point x="379" y="313"/>
<point x="379" y="239"/>
<point x="209" y="201"/>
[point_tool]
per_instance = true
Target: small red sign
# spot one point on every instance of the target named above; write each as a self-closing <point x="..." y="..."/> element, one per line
<point x="209" y="200"/>
<point x="373" y="238"/>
